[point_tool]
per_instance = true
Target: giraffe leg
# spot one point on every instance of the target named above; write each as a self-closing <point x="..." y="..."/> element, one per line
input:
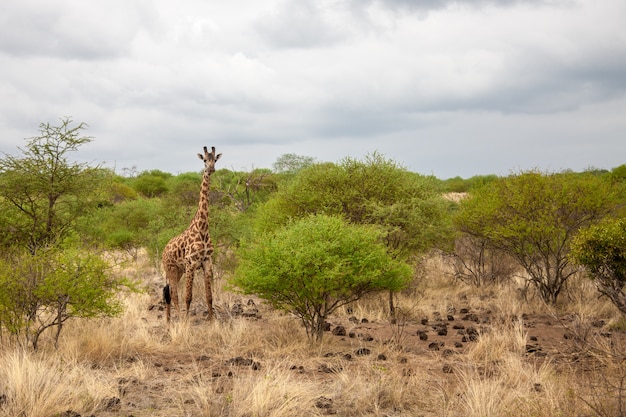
<point x="188" y="289"/>
<point x="207" y="266"/>
<point x="172" y="275"/>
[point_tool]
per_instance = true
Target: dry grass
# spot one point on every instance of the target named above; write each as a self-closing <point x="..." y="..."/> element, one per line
<point x="135" y="365"/>
<point x="42" y="386"/>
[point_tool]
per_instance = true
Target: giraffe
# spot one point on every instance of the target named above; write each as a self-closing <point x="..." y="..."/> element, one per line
<point x="192" y="249"/>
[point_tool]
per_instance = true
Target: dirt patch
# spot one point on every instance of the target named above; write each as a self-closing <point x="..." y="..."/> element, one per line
<point x="431" y="347"/>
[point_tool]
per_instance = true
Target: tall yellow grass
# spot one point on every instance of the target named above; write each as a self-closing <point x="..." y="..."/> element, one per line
<point x="185" y="369"/>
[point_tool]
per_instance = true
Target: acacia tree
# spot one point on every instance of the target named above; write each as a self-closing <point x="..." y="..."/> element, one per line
<point x="43" y="281"/>
<point x="317" y="264"/>
<point x="43" y="291"/>
<point x="601" y="249"/>
<point x="533" y="217"/>
<point x="42" y="192"/>
<point x="408" y="207"/>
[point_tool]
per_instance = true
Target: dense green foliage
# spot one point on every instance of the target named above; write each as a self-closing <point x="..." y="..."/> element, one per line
<point x="525" y="220"/>
<point x="44" y="290"/>
<point x="408" y="206"/>
<point x="601" y="249"/>
<point x="533" y="217"/>
<point x="43" y="197"/>
<point x="42" y="192"/>
<point x="317" y="264"/>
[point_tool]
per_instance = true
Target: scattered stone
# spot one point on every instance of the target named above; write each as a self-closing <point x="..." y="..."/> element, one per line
<point x="458" y="345"/>
<point x="236" y="309"/>
<point x="326" y="326"/>
<point x="470" y="317"/>
<point x="381" y="357"/>
<point x="448" y="352"/>
<point x="364" y="320"/>
<point x="533" y="338"/>
<point x="328" y="369"/>
<point x="422" y="335"/>
<point x="433" y="346"/>
<point x="532" y="348"/>
<point x="325" y="404"/>
<point x="472" y="334"/>
<point x="442" y="331"/>
<point x="241" y="361"/>
<point x="450" y="317"/>
<point x="351" y="335"/>
<point x="112" y="403"/>
<point x="598" y="323"/>
<point x="339" y="331"/>
<point x="464" y="311"/>
<point x="362" y="351"/>
<point x="403" y="360"/>
<point x="300" y="368"/>
<point x="353" y="319"/>
<point x="447" y="369"/>
<point x="424" y="321"/>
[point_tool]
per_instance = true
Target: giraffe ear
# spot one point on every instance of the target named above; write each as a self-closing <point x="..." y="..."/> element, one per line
<point x="201" y="156"/>
<point x="217" y="156"/>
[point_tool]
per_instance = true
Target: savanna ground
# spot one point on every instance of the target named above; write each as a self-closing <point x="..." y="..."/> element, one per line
<point x="453" y="350"/>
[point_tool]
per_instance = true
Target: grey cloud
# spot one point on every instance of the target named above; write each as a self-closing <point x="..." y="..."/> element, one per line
<point x="79" y="30"/>
<point x="299" y="24"/>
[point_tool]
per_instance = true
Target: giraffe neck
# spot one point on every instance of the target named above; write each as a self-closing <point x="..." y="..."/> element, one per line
<point x="200" y="221"/>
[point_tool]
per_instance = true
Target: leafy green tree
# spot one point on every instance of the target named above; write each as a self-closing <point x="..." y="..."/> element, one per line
<point x="183" y="190"/>
<point x="242" y="190"/>
<point x="151" y="183"/>
<point x="375" y="191"/>
<point x="619" y="173"/>
<point x="317" y="264"/>
<point x="42" y="192"/>
<point x="601" y="249"/>
<point x="43" y="291"/>
<point x="533" y="217"/>
<point x="291" y="164"/>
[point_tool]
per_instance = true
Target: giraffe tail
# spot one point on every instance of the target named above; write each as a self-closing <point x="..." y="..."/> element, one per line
<point x="166" y="294"/>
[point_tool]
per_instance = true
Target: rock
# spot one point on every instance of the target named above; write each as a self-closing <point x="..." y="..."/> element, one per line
<point x="328" y="369"/>
<point x="241" y="361"/>
<point x="339" y="331"/>
<point x="433" y="346"/>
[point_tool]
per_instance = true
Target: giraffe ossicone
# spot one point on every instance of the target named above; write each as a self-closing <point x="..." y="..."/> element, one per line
<point x="192" y="250"/>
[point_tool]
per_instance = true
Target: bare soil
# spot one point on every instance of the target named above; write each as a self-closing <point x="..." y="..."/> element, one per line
<point x="434" y="343"/>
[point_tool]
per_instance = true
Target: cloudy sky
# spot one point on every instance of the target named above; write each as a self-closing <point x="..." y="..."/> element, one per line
<point x="444" y="87"/>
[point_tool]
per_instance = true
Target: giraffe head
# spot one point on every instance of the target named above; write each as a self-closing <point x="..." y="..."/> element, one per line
<point x="209" y="159"/>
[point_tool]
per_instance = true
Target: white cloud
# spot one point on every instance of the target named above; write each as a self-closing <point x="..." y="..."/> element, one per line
<point x="449" y="87"/>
